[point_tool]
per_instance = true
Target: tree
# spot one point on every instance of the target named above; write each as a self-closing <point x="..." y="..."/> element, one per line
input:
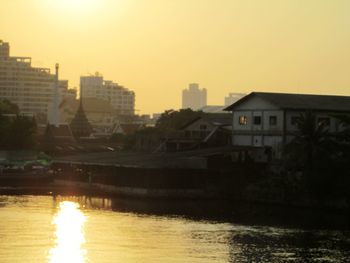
<point x="7" y="107"/>
<point x="310" y="144"/>
<point x="173" y="120"/>
<point x="18" y="133"/>
<point x="313" y="151"/>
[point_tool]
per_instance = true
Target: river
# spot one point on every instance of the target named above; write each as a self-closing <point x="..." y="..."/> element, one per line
<point x="82" y="229"/>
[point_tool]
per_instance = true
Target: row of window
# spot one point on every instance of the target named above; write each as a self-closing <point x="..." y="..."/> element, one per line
<point x="243" y="120"/>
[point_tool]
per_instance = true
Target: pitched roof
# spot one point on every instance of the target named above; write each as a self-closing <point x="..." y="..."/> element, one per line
<point x="131" y="128"/>
<point x="217" y="119"/>
<point x="301" y="101"/>
<point x="60" y="133"/>
<point x="63" y="130"/>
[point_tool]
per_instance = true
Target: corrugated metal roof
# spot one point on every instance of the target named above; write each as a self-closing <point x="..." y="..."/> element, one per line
<point x="218" y="118"/>
<point x="301" y="101"/>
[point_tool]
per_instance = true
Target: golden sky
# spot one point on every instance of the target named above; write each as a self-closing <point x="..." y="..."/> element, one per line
<point x="157" y="47"/>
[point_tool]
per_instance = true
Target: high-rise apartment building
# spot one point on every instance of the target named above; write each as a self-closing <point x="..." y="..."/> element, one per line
<point x="121" y="99"/>
<point x="31" y="88"/>
<point x="194" y="97"/>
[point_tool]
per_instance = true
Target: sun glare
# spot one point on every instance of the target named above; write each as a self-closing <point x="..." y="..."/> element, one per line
<point x="69" y="224"/>
<point x="75" y="6"/>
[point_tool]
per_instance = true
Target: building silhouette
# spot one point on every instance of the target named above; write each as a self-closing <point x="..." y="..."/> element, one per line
<point x="31" y="88"/>
<point x="194" y="97"/>
<point x="121" y="99"/>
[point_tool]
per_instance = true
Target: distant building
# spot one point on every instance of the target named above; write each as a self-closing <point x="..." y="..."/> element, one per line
<point x="194" y="97"/>
<point x="120" y="98"/>
<point x="263" y="119"/>
<point x="31" y="88"/>
<point x="233" y="97"/>
<point x="156" y="116"/>
<point x="209" y="130"/>
<point x="127" y="128"/>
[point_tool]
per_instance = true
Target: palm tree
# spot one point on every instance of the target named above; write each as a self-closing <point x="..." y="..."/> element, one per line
<point x="312" y="143"/>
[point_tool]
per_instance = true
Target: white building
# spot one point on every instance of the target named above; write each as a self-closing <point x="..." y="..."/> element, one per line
<point x="32" y="89"/>
<point x="121" y="99"/>
<point x="270" y="119"/>
<point x="233" y="97"/>
<point x="194" y="97"/>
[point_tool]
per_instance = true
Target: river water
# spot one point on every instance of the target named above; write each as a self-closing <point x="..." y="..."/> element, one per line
<point x="81" y="229"/>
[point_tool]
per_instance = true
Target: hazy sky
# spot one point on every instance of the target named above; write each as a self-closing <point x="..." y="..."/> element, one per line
<point x="157" y="47"/>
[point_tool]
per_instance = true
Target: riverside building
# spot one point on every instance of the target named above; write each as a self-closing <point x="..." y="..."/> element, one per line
<point x="31" y="88"/>
<point x="266" y="119"/>
<point x="121" y="99"/>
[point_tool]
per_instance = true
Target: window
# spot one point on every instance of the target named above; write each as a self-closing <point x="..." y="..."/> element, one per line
<point x="243" y="120"/>
<point x="324" y="121"/>
<point x="257" y="120"/>
<point x="294" y="120"/>
<point x="273" y="120"/>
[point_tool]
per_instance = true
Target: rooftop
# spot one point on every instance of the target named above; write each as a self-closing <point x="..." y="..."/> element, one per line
<point x="300" y="101"/>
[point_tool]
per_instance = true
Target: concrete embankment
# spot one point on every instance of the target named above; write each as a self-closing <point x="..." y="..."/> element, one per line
<point x="112" y="190"/>
<point x="158" y="182"/>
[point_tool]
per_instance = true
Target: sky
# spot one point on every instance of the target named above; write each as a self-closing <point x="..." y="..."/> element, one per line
<point x="158" y="47"/>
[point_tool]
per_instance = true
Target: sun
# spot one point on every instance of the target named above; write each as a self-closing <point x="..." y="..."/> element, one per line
<point x="78" y="4"/>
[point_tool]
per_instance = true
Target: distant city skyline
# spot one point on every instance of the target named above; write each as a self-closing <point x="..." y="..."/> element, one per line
<point x="157" y="47"/>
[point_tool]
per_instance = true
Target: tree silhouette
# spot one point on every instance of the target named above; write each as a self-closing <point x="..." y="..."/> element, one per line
<point x="173" y="120"/>
<point x="17" y="133"/>
<point x="312" y="151"/>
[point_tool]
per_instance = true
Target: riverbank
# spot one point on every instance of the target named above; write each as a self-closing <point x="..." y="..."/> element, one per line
<point x="112" y="174"/>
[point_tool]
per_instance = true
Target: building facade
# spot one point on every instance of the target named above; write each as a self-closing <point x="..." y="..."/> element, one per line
<point x="31" y="88"/>
<point x="121" y="99"/>
<point x="270" y="119"/>
<point x="194" y="97"/>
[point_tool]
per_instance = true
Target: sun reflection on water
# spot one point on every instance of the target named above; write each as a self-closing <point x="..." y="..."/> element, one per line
<point x="69" y="223"/>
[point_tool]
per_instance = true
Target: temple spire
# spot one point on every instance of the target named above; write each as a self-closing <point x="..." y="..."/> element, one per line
<point x="80" y="125"/>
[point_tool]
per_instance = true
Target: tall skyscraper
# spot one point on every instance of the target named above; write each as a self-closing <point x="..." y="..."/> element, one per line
<point x="120" y="98"/>
<point x="32" y="89"/>
<point x="194" y="97"/>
